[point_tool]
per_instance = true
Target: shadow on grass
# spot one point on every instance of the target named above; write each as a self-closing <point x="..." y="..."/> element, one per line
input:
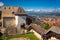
<point x="1" y="39"/>
<point x="31" y="36"/>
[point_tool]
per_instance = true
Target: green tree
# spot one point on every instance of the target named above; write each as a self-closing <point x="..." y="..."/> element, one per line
<point x="46" y="26"/>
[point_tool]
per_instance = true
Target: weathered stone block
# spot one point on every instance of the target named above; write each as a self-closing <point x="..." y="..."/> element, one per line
<point x="11" y="31"/>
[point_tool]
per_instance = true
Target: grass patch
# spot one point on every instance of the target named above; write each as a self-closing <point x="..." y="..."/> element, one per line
<point x="31" y="36"/>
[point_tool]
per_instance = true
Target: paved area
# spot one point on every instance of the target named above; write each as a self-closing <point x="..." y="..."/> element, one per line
<point x="20" y="39"/>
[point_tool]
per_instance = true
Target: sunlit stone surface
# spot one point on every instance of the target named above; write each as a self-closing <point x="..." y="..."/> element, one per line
<point x="53" y="38"/>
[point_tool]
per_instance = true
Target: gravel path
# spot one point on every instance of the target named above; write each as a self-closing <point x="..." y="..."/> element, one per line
<point x="20" y="39"/>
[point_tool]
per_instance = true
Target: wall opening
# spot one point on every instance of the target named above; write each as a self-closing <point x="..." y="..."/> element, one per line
<point x="28" y="20"/>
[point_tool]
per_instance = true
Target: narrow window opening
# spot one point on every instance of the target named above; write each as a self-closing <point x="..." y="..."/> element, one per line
<point x="12" y="12"/>
<point x="9" y="7"/>
<point x="4" y="7"/>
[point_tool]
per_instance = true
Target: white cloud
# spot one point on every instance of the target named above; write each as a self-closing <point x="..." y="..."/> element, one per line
<point x="1" y="3"/>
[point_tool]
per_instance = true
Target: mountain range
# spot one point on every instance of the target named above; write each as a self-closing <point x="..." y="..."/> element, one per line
<point x="55" y="12"/>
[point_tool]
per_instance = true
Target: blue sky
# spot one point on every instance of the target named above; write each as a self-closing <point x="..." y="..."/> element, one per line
<point x="35" y="4"/>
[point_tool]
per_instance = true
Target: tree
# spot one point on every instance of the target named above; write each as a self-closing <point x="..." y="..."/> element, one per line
<point x="46" y="26"/>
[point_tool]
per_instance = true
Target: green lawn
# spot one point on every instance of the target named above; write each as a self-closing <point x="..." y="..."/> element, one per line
<point x="30" y="35"/>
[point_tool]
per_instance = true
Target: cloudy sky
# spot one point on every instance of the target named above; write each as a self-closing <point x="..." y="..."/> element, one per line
<point x="32" y="4"/>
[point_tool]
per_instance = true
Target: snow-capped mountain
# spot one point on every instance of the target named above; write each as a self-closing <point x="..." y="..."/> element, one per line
<point x="44" y="12"/>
